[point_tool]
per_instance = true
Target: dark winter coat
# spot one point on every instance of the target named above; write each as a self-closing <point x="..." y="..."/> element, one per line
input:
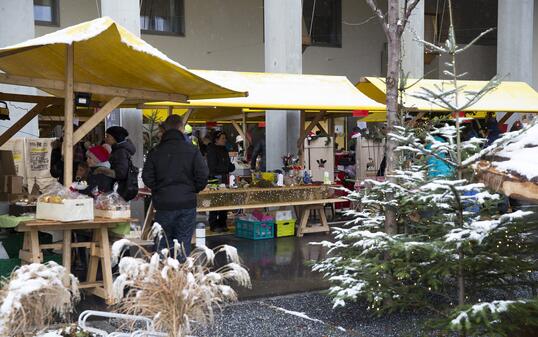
<point x="218" y="160"/>
<point x="103" y="182"/>
<point x="175" y="171"/>
<point x="119" y="158"/>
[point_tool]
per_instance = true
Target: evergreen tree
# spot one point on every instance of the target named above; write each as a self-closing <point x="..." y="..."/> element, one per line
<point x="453" y="247"/>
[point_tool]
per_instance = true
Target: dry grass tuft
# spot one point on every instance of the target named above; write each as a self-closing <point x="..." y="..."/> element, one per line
<point x="34" y="296"/>
<point x="177" y="294"/>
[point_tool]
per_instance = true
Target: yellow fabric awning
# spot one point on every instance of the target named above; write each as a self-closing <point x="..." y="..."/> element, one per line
<point x="107" y="54"/>
<point x="273" y="91"/>
<point x="507" y="97"/>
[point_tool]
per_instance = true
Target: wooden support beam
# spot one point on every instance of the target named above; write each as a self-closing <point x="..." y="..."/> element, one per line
<point x="322" y="129"/>
<point x="505" y="118"/>
<point x="246" y="141"/>
<point x="238" y="129"/>
<point x="96" y="89"/>
<point x="186" y="116"/>
<point x="97" y="118"/>
<point x="170" y="110"/>
<point x="68" y="114"/>
<point x="18" y="125"/>
<point x="237" y="117"/>
<point x="305" y="132"/>
<point x="4" y="96"/>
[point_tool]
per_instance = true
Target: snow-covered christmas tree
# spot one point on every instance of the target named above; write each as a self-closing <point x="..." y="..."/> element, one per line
<point x="455" y="244"/>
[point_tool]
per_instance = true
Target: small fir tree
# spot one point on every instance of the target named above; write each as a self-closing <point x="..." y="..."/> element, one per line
<point x="452" y="246"/>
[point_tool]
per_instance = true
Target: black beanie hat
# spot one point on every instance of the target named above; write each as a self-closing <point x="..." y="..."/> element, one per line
<point x="118" y="133"/>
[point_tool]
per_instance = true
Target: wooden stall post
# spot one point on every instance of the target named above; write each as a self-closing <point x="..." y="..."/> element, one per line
<point x="170" y="110"/>
<point x="68" y="115"/>
<point x="245" y="138"/>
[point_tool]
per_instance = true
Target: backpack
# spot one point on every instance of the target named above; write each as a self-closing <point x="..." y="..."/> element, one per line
<point x="128" y="188"/>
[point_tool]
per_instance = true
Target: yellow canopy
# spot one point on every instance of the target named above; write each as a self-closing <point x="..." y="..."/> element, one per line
<point x="106" y="54"/>
<point x="507" y="97"/>
<point x="273" y="91"/>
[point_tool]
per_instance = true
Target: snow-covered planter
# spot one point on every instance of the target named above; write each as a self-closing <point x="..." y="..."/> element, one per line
<point x="34" y="296"/>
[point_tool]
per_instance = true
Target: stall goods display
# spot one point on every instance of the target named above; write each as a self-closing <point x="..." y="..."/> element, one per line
<point x="112" y="206"/>
<point x="62" y="204"/>
<point x="255" y="196"/>
<point x="22" y="207"/>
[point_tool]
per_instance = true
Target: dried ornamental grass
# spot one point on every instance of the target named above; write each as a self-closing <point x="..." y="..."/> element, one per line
<point x="34" y="296"/>
<point x="177" y="294"/>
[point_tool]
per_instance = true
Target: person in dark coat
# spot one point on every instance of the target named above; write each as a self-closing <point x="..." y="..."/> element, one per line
<point x="220" y="166"/>
<point x="97" y="156"/>
<point x="122" y="150"/>
<point x="175" y="171"/>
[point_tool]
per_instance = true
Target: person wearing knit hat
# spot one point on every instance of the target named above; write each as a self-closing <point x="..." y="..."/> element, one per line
<point x="117" y="133"/>
<point x="122" y="150"/>
<point x="98" y="181"/>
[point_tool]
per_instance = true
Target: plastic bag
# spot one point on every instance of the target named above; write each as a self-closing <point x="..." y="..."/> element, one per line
<point x="3" y="253"/>
<point x="55" y="193"/>
<point x="111" y="201"/>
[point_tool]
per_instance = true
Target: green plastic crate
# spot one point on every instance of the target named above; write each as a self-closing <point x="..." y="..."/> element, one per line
<point x="254" y="230"/>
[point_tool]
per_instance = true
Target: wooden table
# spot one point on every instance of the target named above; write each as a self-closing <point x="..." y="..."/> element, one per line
<point x="99" y="247"/>
<point x="302" y="209"/>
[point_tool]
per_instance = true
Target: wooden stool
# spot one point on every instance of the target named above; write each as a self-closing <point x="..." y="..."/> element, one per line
<point x="304" y="213"/>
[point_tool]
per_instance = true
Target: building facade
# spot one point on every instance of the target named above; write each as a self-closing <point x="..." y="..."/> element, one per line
<point x="334" y="37"/>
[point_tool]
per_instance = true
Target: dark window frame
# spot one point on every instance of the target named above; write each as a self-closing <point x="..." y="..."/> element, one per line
<point x="181" y="32"/>
<point x="337" y="22"/>
<point x="56" y="16"/>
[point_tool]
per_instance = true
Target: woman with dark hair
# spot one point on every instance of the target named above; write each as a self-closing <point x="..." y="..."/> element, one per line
<point x="220" y="166"/>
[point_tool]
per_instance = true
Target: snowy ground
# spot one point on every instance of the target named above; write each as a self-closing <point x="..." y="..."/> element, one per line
<point x="307" y="314"/>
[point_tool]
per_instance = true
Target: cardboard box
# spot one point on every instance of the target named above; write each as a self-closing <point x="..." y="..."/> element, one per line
<point x="11" y="184"/>
<point x="69" y="210"/>
<point x="7" y="164"/>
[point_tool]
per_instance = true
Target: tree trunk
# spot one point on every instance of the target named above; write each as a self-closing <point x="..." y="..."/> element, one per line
<point x="392" y="81"/>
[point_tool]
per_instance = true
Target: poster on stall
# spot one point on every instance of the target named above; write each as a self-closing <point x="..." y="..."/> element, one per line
<point x="37" y="159"/>
<point x="32" y="159"/>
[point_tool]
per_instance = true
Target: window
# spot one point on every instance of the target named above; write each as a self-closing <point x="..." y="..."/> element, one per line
<point x="46" y="12"/>
<point x="162" y="17"/>
<point x="323" y="19"/>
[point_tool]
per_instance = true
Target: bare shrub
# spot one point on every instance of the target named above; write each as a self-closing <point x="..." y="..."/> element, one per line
<point x="177" y="294"/>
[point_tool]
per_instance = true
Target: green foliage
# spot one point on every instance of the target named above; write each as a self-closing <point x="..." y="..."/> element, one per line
<point x="444" y="225"/>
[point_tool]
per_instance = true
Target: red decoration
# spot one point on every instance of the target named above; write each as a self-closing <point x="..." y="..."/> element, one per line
<point x="360" y="113"/>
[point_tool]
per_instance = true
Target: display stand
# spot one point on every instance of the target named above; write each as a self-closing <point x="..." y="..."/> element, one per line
<point x="99" y="247"/>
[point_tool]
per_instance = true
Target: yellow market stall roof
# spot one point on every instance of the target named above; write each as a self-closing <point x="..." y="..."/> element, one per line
<point x="507" y="97"/>
<point x="105" y="54"/>
<point x="274" y="91"/>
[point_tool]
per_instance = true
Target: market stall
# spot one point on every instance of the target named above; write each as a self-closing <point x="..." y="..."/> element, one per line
<point x="83" y="59"/>
<point x="318" y="97"/>
<point x="512" y="170"/>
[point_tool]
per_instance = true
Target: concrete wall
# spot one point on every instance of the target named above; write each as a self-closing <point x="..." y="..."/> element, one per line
<point x="480" y="63"/>
<point x="535" y="47"/>
<point x="228" y="35"/>
<point x="16" y="25"/>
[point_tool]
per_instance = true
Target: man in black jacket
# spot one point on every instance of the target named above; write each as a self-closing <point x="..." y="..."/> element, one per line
<point x="175" y="171"/>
